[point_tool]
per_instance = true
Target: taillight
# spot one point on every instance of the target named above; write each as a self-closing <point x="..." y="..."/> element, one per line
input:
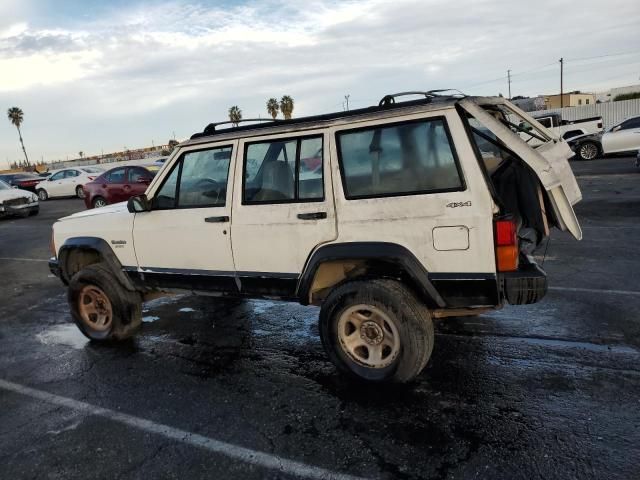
<point x="506" y="238"/>
<point x="91" y="178"/>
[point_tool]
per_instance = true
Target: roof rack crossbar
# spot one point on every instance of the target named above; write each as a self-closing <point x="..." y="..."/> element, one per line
<point x="211" y="128"/>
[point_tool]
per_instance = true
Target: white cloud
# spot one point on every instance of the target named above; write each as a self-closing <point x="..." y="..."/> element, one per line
<point x="132" y="74"/>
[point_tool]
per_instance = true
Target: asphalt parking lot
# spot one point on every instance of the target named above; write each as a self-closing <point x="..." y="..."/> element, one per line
<point x="242" y="389"/>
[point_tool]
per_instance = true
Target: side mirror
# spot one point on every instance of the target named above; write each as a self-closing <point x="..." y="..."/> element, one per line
<point x="138" y="204"/>
<point x="144" y="180"/>
<point x="616" y="128"/>
<point x="14" y="186"/>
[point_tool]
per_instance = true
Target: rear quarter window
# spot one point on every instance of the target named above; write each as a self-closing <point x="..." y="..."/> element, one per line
<point x="407" y="158"/>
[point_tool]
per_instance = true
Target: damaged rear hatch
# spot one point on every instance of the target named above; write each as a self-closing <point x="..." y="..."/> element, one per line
<point x="548" y="159"/>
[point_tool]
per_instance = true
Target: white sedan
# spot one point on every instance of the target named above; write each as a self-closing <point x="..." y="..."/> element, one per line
<point x="67" y="182"/>
<point x="623" y="137"/>
<point x="14" y="201"/>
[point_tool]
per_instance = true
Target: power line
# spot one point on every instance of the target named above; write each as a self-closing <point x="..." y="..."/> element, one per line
<point x="603" y="56"/>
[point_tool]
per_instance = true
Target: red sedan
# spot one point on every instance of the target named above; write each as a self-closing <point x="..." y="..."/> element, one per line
<point x="118" y="185"/>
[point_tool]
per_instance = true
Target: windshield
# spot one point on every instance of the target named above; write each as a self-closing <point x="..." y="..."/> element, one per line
<point x="4" y="186"/>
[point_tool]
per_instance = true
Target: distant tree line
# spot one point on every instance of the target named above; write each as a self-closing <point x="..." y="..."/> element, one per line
<point x="626" y="96"/>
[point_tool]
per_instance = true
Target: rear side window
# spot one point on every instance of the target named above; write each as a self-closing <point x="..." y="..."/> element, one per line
<point x="402" y="159"/>
<point x="283" y="170"/>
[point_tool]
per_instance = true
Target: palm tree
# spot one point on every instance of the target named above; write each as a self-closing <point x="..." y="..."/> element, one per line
<point x="81" y="154"/>
<point x="273" y="107"/>
<point x="16" y="116"/>
<point x="286" y="106"/>
<point x="235" y="115"/>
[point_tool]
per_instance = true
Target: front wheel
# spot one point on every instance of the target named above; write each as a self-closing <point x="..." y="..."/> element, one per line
<point x="42" y="195"/>
<point x="101" y="307"/>
<point x="376" y="330"/>
<point x="588" y="151"/>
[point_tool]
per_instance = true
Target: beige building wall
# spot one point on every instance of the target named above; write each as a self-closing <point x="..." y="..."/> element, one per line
<point x="569" y="100"/>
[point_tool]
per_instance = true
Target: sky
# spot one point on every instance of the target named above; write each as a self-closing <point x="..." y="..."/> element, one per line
<point x="99" y="76"/>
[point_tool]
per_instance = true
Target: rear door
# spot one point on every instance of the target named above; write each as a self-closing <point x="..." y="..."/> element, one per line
<point x="283" y="208"/>
<point x="549" y="160"/>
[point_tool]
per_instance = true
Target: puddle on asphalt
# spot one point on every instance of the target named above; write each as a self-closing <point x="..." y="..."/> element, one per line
<point x="186" y="310"/>
<point x="150" y="318"/>
<point x="66" y="334"/>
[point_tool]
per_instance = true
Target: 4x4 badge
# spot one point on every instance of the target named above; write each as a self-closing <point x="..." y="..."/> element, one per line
<point x="459" y="204"/>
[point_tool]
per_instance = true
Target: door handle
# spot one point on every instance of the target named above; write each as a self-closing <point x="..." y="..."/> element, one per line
<point x="221" y="219"/>
<point x="312" y="216"/>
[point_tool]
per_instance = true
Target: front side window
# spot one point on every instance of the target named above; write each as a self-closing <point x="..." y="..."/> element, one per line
<point x="410" y="158"/>
<point x="116" y="176"/>
<point x="283" y="171"/>
<point x="57" y="176"/>
<point x="198" y="179"/>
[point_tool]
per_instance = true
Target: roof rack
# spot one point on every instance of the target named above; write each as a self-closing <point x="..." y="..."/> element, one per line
<point x="388" y="101"/>
<point x="428" y="95"/>
<point x="211" y="128"/>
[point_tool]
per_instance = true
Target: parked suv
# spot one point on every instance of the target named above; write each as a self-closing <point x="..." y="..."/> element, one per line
<point x="386" y="217"/>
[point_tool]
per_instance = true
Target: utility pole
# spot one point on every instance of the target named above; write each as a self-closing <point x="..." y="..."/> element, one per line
<point x="561" y="87"/>
<point x="346" y="98"/>
<point x="509" y="81"/>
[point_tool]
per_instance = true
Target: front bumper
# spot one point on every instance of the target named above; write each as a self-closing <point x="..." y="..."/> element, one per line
<point x="526" y="285"/>
<point x="6" y="210"/>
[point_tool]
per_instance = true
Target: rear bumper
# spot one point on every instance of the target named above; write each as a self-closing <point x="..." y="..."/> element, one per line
<point x="526" y="285"/>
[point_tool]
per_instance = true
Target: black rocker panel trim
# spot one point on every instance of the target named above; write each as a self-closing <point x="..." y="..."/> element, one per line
<point x="251" y="284"/>
<point x="95" y="244"/>
<point x="392" y="253"/>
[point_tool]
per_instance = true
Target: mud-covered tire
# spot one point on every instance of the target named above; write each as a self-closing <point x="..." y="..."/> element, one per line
<point x="412" y="321"/>
<point x="125" y="306"/>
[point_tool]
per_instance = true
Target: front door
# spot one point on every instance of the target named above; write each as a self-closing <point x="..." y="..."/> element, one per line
<point x="185" y="240"/>
<point x="283" y="209"/>
<point x="623" y="138"/>
<point x="114" y="185"/>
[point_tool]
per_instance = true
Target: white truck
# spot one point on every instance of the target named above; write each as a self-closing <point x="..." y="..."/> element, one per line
<point x="386" y="217"/>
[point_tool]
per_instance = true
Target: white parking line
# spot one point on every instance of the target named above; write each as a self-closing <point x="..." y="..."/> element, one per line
<point x="595" y="290"/>
<point x="246" y="455"/>
<point x="23" y="259"/>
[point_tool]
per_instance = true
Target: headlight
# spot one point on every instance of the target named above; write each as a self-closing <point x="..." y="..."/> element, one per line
<point x="34" y="198"/>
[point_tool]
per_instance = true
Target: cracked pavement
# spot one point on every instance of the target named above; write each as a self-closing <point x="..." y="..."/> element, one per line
<point x="550" y="390"/>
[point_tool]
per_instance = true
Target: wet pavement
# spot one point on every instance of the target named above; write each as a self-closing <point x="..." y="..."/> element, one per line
<point x="542" y="391"/>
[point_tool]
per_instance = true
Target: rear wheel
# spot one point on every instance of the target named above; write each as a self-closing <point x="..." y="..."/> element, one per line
<point x="101" y="307"/>
<point x="79" y="191"/>
<point x="588" y="151"/>
<point x="42" y="195"/>
<point x="99" y="202"/>
<point x="376" y="330"/>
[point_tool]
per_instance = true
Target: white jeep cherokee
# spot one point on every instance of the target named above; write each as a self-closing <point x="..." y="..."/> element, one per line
<point x="386" y="217"/>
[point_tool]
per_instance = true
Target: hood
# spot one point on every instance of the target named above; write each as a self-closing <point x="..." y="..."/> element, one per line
<point x="108" y="210"/>
<point x="13" y="193"/>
